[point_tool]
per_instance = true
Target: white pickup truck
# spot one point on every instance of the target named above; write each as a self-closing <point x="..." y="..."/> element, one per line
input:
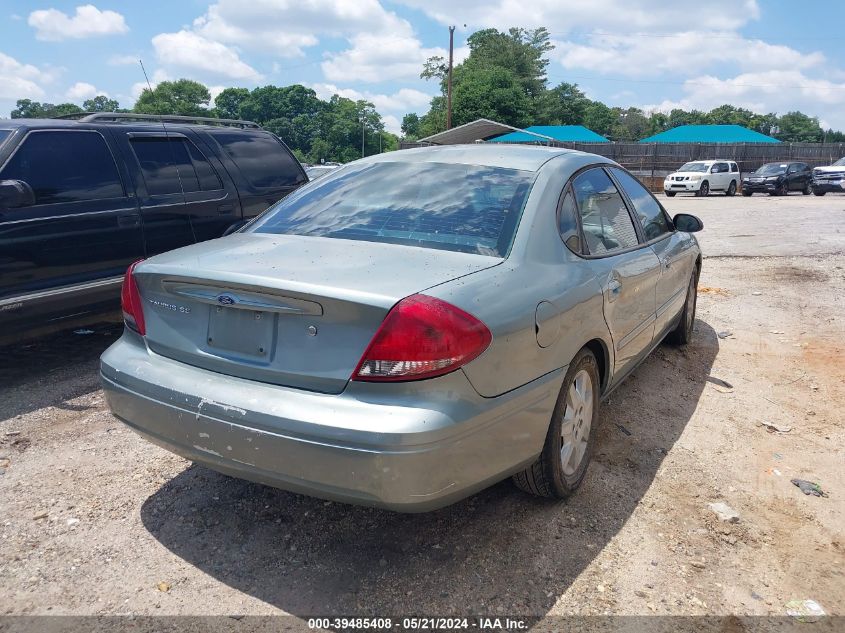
<point x="830" y="178"/>
<point x="703" y="176"/>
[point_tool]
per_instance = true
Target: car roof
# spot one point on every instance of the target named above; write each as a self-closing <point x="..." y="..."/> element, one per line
<point x="522" y="157"/>
<point x="53" y="124"/>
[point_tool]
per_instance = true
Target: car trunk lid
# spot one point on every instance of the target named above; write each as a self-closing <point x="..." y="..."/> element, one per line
<point x="290" y="310"/>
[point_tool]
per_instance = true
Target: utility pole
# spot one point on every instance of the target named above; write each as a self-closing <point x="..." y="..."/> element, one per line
<point x="449" y="80"/>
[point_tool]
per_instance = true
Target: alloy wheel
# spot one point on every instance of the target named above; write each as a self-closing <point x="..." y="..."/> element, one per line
<point x="576" y="423"/>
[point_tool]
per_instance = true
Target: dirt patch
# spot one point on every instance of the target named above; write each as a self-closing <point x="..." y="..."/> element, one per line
<point x="798" y="274"/>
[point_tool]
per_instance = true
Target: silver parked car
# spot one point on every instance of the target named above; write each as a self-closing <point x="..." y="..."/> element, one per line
<point x="409" y="329"/>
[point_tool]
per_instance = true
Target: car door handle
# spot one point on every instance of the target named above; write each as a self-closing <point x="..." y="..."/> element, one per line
<point x="225" y="208"/>
<point x="613" y="288"/>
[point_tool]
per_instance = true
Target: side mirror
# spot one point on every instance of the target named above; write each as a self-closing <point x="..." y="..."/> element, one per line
<point x="15" y="193"/>
<point x="687" y="223"/>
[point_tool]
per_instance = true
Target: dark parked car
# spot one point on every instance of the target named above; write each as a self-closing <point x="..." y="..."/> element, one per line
<point x="81" y="200"/>
<point x="778" y="179"/>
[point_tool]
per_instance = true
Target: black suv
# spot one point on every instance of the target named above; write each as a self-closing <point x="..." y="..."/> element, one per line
<point x="778" y="179"/>
<point x="81" y="200"/>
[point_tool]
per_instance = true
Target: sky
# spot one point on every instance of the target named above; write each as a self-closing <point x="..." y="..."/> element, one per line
<point x="765" y="55"/>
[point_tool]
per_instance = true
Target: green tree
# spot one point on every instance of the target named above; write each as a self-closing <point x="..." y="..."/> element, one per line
<point x="631" y="125"/>
<point x="101" y="103"/>
<point x="228" y="102"/>
<point x="182" y="97"/>
<point x="797" y="127"/>
<point x="521" y="51"/>
<point x="564" y="104"/>
<point x="599" y="118"/>
<point x="28" y="109"/>
<point x="730" y="115"/>
<point x="411" y="126"/>
<point x="491" y="93"/>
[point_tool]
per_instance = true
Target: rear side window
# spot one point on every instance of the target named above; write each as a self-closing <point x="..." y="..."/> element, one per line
<point x="605" y="220"/>
<point x="734" y="168"/>
<point x="262" y="159"/>
<point x="65" y="167"/>
<point x="646" y="207"/>
<point x="455" y="207"/>
<point x="567" y="224"/>
<point x="173" y="165"/>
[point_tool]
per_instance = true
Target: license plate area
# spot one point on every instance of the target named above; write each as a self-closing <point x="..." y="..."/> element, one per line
<point x="247" y="333"/>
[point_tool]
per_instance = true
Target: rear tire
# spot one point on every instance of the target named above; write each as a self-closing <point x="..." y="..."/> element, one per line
<point x="819" y="193"/>
<point x="682" y="334"/>
<point x="731" y="189"/>
<point x="561" y="467"/>
<point x="808" y="189"/>
<point x="747" y="194"/>
<point x="670" y="194"/>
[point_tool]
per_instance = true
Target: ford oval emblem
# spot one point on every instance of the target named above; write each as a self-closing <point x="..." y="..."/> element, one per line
<point x="226" y="300"/>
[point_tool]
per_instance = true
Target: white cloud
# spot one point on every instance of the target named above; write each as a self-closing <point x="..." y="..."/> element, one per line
<point x="382" y="46"/>
<point x="392" y="124"/>
<point x="123" y="60"/>
<point x="81" y="91"/>
<point x="685" y="52"/>
<point x="375" y="57"/>
<point x="771" y="91"/>
<point x="88" y="21"/>
<point x="20" y="81"/>
<point x="186" y="50"/>
<point x="403" y="100"/>
<point x="286" y="27"/>
<point x="563" y="17"/>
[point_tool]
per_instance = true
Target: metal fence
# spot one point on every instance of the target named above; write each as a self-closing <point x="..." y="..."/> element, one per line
<point x="652" y="161"/>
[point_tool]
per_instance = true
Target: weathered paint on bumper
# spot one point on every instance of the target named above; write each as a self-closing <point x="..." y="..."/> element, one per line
<point x="409" y="447"/>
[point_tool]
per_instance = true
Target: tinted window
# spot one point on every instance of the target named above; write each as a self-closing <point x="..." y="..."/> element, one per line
<point x="604" y="217"/>
<point x="453" y="207"/>
<point x="4" y="134"/>
<point x="262" y="159"/>
<point x="734" y="167"/>
<point x="174" y="165"/>
<point x="65" y="167"/>
<point x="720" y="168"/>
<point x="645" y="206"/>
<point x="567" y="224"/>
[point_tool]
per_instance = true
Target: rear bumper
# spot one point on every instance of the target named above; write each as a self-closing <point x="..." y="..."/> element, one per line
<point x="410" y="447"/>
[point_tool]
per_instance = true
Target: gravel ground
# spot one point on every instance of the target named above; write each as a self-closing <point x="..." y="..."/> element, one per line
<point x="94" y="520"/>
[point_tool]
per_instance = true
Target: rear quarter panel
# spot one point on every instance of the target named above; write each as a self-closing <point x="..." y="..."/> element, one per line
<point x="539" y="269"/>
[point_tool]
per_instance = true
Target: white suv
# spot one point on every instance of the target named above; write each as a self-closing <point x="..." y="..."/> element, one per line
<point x="703" y="176"/>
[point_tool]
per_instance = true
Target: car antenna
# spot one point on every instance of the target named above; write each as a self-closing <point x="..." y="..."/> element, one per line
<point x="172" y="153"/>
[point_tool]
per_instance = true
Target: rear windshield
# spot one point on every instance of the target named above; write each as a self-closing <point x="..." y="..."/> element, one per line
<point x="463" y="208"/>
<point x="702" y="167"/>
<point x="4" y="134"/>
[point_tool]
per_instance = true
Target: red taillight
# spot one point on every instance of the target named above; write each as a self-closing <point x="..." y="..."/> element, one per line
<point x="422" y="337"/>
<point x="130" y="301"/>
